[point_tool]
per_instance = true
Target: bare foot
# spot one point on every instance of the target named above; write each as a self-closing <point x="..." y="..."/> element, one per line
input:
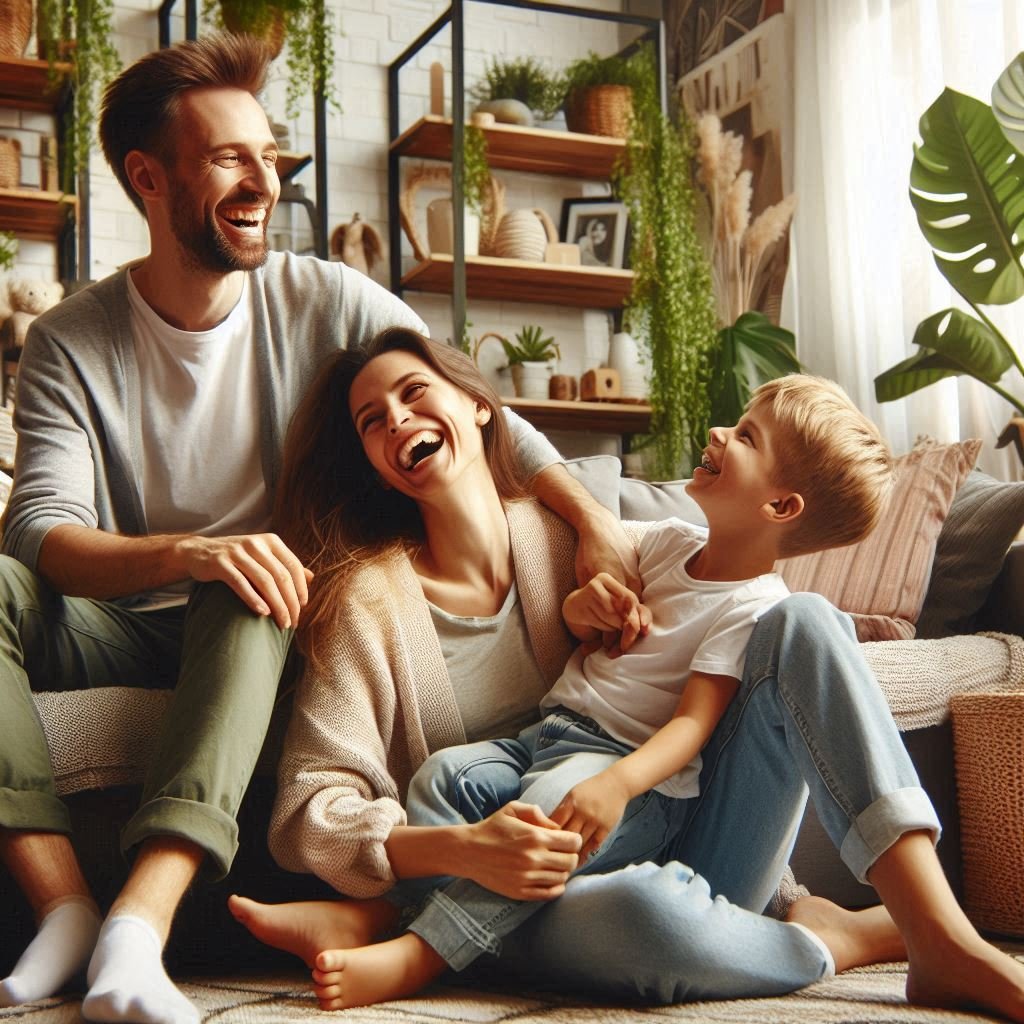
<point x="374" y="974"/>
<point x="307" y="928"/>
<point x="855" y="938"/>
<point x="971" y="974"/>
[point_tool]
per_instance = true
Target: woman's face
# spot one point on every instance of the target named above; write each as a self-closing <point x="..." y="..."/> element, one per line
<point x="598" y="231"/>
<point x="419" y="431"/>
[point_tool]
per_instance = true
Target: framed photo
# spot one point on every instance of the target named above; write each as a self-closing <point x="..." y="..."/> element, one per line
<point x="600" y="227"/>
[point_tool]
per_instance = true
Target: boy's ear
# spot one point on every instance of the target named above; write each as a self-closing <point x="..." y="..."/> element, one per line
<point x="784" y="510"/>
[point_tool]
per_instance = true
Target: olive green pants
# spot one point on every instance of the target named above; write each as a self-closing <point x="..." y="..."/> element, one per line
<point x="223" y="662"/>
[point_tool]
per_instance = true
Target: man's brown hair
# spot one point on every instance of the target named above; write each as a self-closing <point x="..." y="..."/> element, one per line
<point x="141" y="105"/>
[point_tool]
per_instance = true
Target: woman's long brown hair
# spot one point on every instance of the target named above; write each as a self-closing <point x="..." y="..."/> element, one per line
<point x="330" y="507"/>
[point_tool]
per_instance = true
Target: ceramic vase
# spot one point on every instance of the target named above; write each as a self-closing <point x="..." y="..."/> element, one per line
<point x="524" y="235"/>
<point x="624" y="357"/>
<point x="441" y="228"/>
<point x="531" y="379"/>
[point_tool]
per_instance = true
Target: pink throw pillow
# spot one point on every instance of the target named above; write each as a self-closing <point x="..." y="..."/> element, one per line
<point x="881" y="580"/>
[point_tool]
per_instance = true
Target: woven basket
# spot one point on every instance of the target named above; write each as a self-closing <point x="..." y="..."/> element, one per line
<point x="600" y="110"/>
<point x="10" y="163"/>
<point x="15" y="27"/>
<point x="988" y="741"/>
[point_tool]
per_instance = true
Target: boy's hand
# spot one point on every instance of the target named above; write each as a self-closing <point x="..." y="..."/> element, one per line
<point x="605" y="608"/>
<point x="592" y="808"/>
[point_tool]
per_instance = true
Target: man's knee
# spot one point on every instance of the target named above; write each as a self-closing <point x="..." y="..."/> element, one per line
<point x="18" y="583"/>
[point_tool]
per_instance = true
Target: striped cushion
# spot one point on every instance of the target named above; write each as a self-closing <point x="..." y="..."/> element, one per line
<point x="882" y="579"/>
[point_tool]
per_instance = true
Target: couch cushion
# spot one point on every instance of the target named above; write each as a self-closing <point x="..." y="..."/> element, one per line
<point x="646" y="502"/>
<point x="882" y="579"/>
<point x="985" y="516"/>
<point x="601" y="475"/>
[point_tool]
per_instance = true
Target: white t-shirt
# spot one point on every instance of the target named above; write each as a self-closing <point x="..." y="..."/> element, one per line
<point x="698" y="625"/>
<point x="202" y="469"/>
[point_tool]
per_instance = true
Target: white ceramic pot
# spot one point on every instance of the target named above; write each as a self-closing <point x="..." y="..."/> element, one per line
<point x="531" y="379"/>
<point x="441" y="228"/>
<point x="624" y="356"/>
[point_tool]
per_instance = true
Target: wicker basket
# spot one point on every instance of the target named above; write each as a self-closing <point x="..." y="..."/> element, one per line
<point x="988" y="739"/>
<point x="15" y="27"/>
<point x="600" y="110"/>
<point x="10" y="163"/>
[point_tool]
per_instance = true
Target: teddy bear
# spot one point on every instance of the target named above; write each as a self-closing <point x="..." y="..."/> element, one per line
<point x="26" y="298"/>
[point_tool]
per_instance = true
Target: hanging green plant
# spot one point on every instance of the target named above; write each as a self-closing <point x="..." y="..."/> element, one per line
<point x="671" y="310"/>
<point x="476" y="172"/>
<point x="78" y="35"/>
<point x="8" y="250"/>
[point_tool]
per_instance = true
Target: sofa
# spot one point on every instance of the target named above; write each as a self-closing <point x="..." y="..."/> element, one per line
<point x="972" y="582"/>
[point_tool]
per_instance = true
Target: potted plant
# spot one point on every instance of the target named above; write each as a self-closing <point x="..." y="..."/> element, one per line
<point x="599" y="91"/>
<point x="530" y="357"/>
<point x="965" y="189"/>
<point x="78" y="36"/>
<point x="524" y="80"/>
<point x="305" y="27"/>
<point x="671" y="309"/>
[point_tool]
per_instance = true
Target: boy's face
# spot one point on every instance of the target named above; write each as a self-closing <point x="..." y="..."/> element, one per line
<point x="736" y="480"/>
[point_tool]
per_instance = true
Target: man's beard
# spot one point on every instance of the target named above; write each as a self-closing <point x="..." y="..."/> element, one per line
<point x="205" y="245"/>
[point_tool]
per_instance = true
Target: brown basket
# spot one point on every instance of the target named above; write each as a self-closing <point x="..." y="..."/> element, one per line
<point x="600" y="110"/>
<point x="988" y="741"/>
<point x="10" y="163"/>
<point x="15" y="27"/>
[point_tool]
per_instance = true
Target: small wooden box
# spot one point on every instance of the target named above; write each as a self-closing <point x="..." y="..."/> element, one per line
<point x="600" y="384"/>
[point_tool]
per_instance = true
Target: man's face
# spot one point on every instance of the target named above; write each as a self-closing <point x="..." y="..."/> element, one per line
<point x="223" y="184"/>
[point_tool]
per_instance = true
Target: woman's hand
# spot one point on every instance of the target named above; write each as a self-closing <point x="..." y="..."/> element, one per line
<point x="592" y="808"/>
<point x="606" y="607"/>
<point x="521" y="853"/>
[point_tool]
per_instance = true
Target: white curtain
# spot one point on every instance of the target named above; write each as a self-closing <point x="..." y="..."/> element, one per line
<point x="861" y="273"/>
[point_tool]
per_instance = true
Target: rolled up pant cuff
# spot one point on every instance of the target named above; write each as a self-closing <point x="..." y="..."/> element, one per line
<point x="32" y="811"/>
<point x="206" y="826"/>
<point x="452" y="933"/>
<point x="883" y="822"/>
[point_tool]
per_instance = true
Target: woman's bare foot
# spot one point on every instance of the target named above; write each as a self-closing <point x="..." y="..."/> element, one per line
<point x="855" y="938"/>
<point x="307" y="928"/>
<point x="374" y="974"/>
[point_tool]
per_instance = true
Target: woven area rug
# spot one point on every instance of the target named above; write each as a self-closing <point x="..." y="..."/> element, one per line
<point x="871" y="995"/>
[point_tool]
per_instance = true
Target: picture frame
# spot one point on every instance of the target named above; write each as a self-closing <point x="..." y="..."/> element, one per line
<point x="600" y="226"/>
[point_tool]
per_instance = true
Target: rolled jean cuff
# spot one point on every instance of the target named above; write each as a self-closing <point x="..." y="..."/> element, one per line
<point x="32" y="811"/>
<point x="452" y="933"/>
<point x="883" y="822"/>
<point x="202" y="824"/>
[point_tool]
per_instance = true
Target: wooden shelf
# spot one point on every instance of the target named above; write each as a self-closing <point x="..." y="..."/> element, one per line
<point x="594" y="417"/>
<point x="37" y="215"/>
<point x="289" y="164"/>
<point x="488" y="277"/>
<point x="509" y="147"/>
<point x="27" y="84"/>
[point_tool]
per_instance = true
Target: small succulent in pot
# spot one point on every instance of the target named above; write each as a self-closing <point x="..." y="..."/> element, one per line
<point x="531" y="346"/>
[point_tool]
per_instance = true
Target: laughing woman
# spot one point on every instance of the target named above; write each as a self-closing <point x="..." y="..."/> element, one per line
<point x="435" y="618"/>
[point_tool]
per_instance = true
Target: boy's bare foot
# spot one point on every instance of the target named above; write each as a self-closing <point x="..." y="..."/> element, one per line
<point x="970" y="974"/>
<point x="308" y="927"/>
<point x="856" y="938"/>
<point x="375" y="974"/>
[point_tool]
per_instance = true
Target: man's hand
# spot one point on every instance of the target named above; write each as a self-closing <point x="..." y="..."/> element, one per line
<point x="259" y="568"/>
<point x="520" y="853"/>
<point x="604" y="607"/>
<point x="592" y="808"/>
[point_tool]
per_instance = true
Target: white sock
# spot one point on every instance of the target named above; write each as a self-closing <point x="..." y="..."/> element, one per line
<point x="127" y="980"/>
<point x="59" y="951"/>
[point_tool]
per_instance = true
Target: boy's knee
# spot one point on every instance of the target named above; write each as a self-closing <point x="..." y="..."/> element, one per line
<point x="803" y="613"/>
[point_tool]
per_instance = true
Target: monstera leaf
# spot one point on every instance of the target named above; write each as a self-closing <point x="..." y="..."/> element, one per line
<point x="1008" y="102"/>
<point x="749" y="353"/>
<point x="951" y="343"/>
<point x="967" y="187"/>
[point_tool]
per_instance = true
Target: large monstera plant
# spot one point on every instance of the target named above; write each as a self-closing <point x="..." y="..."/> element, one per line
<point x="967" y="188"/>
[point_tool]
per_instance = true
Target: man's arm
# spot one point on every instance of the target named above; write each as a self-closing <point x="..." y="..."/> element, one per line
<point x="260" y="569"/>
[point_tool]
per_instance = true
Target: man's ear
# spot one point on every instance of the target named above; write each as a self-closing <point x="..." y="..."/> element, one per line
<point x="784" y="510"/>
<point x="144" y="173"/>
<point x="483" y="414"/>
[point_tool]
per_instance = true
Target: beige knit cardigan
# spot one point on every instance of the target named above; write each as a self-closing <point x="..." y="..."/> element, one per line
<point x="361" y="728"/>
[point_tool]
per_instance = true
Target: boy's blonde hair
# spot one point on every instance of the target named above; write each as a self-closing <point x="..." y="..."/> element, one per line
<point x="831" y="454"/>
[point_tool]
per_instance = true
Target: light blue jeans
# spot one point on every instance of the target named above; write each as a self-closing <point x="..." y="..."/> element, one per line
<point x="686" y="923"/>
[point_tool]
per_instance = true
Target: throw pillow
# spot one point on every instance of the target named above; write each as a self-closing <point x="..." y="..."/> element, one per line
<point x="601" y="475"/>
<point x="881" y="580"/>
<point x="650" y="503"/>
<point x="985" y="516"/>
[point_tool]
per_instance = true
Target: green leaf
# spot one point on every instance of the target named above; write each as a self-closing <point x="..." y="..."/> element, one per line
<point x="952" y="344"/>
<point x="749" y="353"/>
<point x="1008" y="102"/>
<point x="967" y="187"/>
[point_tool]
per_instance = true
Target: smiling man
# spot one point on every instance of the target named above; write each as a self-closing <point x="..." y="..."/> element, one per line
<point x="151" y="413"/>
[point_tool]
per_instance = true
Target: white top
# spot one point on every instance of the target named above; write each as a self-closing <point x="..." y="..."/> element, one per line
<point x="494" y="672"/>
<point x="201" y="466"/>
<point x="698" y="625"/>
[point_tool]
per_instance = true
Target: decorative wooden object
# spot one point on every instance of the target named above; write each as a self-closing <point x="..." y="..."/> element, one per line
<point x="437" y="89"/>
<point x="562" y="387"/>
<point x="600" y="384"/>
<point x="565" y="253"/>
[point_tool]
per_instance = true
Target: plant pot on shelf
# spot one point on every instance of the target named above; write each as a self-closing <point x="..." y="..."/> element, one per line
<point x="441" y="228"/>
<point x="15" y="27"/>
<point x="600" y="110"/>
<point x="531" y="379"/>
<point x="624" y="357"/>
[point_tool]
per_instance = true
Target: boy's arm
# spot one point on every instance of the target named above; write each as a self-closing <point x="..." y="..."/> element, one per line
<point x="593" y="807"/>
